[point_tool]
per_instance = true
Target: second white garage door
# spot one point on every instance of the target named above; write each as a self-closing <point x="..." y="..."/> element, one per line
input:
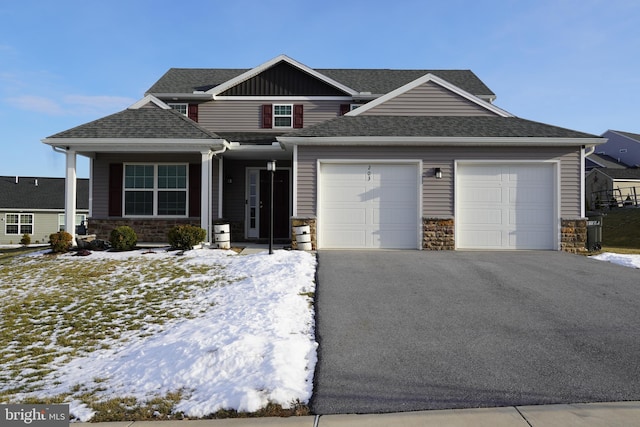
<point x="506" y="206"/>
<point x="369" y="205"/>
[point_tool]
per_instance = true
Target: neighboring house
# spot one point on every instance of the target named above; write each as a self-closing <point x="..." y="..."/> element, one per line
<point x="613" y="187"/>
<point x="369" y="158"/>
<point x="36" y="206"/>
<point x="601" y="160"/>
<point x="622" y="146"/>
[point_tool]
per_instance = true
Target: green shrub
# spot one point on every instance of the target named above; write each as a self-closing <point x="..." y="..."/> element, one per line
<point x="185" y="237"/>
<point x="123" y="238"/>
<point x="60" y="242"/>
<point x="26" y="240"/>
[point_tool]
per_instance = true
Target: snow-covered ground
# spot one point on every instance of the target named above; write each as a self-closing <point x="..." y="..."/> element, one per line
<point x="255" y="345"/>
<point x="621" y="259"/>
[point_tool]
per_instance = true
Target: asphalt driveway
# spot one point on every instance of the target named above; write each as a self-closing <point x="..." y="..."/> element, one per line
<point x="417" y="330"/>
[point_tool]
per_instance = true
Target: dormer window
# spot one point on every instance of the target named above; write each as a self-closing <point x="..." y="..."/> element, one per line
<point x="182" y="108"/>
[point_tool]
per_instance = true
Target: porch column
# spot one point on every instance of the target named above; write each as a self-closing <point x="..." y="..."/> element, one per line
<point x="70" y="196"/>
<point x="205" y="193"/>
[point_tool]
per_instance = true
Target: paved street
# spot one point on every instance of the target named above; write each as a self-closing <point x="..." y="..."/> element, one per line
<point x="417" y="330"/>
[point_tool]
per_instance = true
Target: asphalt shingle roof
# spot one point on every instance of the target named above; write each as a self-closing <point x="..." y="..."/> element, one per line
<point x="47" y="194"/>
<point x="630" y="173"/>
<point x="140" y="123"/>
<point x="435" y="126"/>
<point x="376" y="81"/>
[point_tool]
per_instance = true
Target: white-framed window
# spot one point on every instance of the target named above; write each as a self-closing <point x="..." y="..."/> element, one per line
<point x="282" y="115"/>
<point x="155" y="189"/>
<point x="18" y="223"/>
<point x="80" y="218"/>
<point x="182" y="108"/>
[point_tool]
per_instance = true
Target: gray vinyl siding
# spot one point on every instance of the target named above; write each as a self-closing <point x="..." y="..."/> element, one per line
<point x="246" y="116"/>
<point x="438" y="195"/>
<point x="630" y="153"/>
<point x="429" y="99"/>
<point x="101" y="175"/>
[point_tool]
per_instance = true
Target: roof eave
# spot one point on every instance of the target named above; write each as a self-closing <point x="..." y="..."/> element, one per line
<point x="195" y="96"/>
<point x="436" y="141"/>
<point x="111" y="145"/>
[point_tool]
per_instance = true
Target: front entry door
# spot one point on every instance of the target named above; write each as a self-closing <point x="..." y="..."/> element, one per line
<point x="280" y="204"/>
<point x="257" y="215"/>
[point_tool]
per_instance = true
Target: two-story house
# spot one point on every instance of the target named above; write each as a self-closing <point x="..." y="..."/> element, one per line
<point x="370" y="158"/>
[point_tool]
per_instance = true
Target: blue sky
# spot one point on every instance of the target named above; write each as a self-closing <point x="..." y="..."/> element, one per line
<point x="570" y="63"/>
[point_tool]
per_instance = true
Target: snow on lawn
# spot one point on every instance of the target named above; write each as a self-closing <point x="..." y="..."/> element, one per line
<point x="255" y="343"/>
<point x="626" y="260"/>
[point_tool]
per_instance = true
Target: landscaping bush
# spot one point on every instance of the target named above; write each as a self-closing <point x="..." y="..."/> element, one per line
<point x="123" y="238"/>
<point x="60" y="242"/>
<point x="26" y="240"/>
<point x="185" y="237"/>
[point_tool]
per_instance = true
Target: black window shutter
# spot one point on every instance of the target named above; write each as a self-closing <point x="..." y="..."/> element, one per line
<point x="115" y="189"/>
<point x="192" y="112"/>
<point x="298" y="110"/>
<point x="195" y="180"/>
<point x="344" y="109"/>
<point x="267" y="116"/>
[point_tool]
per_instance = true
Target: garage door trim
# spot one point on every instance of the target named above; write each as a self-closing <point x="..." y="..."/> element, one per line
<point x="555" y="164"/>
<point x="417" y="163"/>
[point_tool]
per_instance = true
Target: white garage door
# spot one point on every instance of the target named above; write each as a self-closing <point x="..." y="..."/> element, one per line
<point x="505" y="206"/>
<point x="368" y="205"/>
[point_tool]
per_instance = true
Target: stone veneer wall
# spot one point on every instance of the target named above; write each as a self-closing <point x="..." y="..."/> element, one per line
<point x="438" y="234"/>
<point x="300" y="221"/>
<point x="574" y="235"/>
<point x="147" y="230"/>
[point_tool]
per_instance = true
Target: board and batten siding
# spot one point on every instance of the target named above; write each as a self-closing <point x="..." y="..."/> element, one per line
<point x="438" y="194"/>
<point x="429" y="99"/>
<point x="246" y="116"/>
<point x="101" y="176"/>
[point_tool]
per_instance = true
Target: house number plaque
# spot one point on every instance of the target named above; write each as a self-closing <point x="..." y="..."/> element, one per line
<point x="369" y="173"/>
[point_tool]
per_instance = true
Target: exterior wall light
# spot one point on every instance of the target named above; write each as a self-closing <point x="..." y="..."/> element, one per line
<point x="438" y="173"/>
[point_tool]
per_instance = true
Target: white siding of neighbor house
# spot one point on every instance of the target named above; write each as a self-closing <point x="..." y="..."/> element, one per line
<point x="101" y="176"/>
<point x="246" y="116"/>
<point x="438" y="194"/>
<point x="429" y="99"/>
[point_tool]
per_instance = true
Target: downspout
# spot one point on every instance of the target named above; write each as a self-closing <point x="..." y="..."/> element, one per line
<point x="585" y="153"/>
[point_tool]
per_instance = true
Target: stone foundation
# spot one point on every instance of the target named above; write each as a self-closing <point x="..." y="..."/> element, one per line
<point x="438" y="234"/>
<point x="574" y="235"/>
<point x="300" y="221"/>
<point x="147" y="230"/>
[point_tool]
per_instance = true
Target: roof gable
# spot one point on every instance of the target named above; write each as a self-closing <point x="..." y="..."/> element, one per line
<point x="281" y="76"/>
<point x="633" y="136"/>
<point x="619" y="174"/>
<point x="426" y="79"/>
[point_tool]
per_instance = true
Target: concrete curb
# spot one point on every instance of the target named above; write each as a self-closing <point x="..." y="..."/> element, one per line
<point x="609" y="414"/>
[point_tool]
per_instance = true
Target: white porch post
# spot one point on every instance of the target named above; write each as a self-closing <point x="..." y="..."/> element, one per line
<point x="205" y="193"/>
<point x="70" y="196"/>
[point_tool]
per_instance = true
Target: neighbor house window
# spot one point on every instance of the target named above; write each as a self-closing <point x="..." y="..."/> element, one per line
<point x="282" y="116"/>
<point x="182" y="108"/>
<point x="155" y="190"/>
<point x="18" y="223"/>
<point x="80" y="218"/>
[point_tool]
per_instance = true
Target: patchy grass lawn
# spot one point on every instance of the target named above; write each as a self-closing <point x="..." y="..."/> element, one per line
<point x="64" y="320"/>
<point x="55" y="308"/>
